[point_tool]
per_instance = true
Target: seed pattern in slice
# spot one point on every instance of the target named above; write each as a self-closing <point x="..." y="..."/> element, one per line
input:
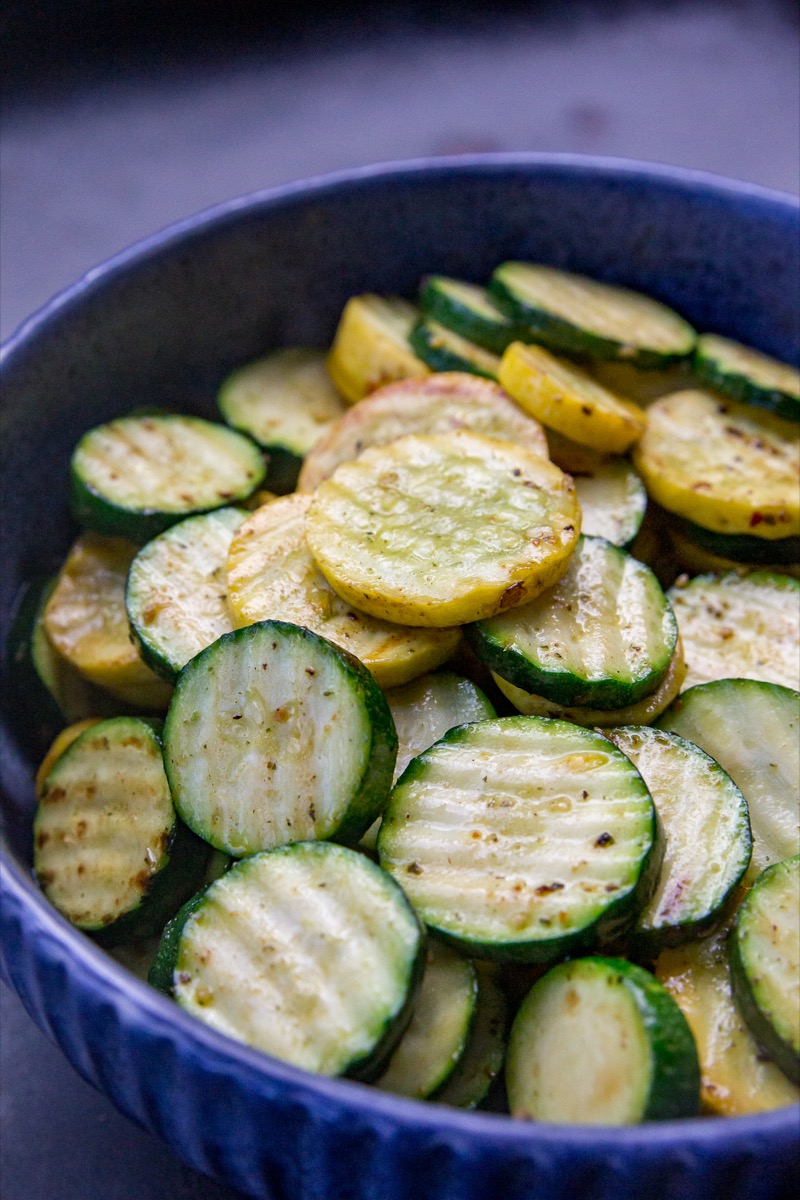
<point x="725" y="466"/>
<point x="567" y="399"/>
<point x="442" y="403"/>
<point x="442" y="530"/>
<point x="522" y="839"/>
<point x="272" y="574"/>
<point x="739" y="626"/>
<point x="371" y="347"/>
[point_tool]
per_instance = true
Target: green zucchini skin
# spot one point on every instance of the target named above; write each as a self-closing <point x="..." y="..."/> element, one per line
<point x="443" y="350"/>
<point x="482" y="1061"/>
<point x="767" y="989"/>
<point x="743" y="547"/>
<point x="493" y="777"/>
<point x="669" y="1087"/>
<point x="540" y="649"/>
<point x="723" y="366"/>
<point x="469" y="311"/>
<point x="239" y="755"/>
<point x="161" y="975"/>
<point x="97" y="510"/>
<point x="708" y="842"/>
<point x="571" y="338"/>
<point x="305" y="925"/>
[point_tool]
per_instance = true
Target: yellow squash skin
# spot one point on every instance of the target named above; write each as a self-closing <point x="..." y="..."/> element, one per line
<point x="370" y="346"/>
<point x="442" y="530"/>
<point x="728" y="467"/>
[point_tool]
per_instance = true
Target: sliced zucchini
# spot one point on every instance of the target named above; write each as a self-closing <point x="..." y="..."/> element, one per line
<point x="565" y="398"/>
<point x="696" y="559"/>
<point x="707" y="837"/>
<point x="136" y="476"/>
<point x="751" y="729"/>
<point x="435" y="1040"/>
<point x="642" y="713"/>
<point x="441" y="403"/>
<point x="738" y="626"/>
<point x="743" y="548"/>
<point x="176" y="595"/>
<point x="468" y="310"/>
<point x="575" y="315"/>
<point x="747" y="375"/>
<point x="86" y="621"/>
<point x="482" y="1060"/>
<point x="603" y="637"/>
<point x="308" y="952"/>
<point x="109" y="851"/>
<point x="522" y="839"/>
<point x="426" y="708"/>
<point x="285" y="402"/>
<point x="727" y="467"/>
<point x="444" y="350"/>
<point x="613" y="501"/>
<point x="441" y="530"/>
<point x="765" y="963"/>
<point x="599" y="1041"/>
<point x="275" y="735"/>
<point x="736" y="1078"/>
<point x="271" y="574"/>
<point x="371" y="347"/>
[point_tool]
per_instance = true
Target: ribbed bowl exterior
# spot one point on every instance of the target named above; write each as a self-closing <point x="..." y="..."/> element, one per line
<point x="169" y="318"/>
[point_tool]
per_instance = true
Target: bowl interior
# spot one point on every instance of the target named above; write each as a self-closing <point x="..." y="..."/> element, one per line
<point x="163" y="323"/>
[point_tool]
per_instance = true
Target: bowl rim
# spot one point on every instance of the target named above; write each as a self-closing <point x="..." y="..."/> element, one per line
<point x="103" y="980"/>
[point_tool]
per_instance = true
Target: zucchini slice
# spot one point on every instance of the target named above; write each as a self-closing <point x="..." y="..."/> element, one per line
<point x="751" y="729"/>
<point x="272" y="574"/>
<point x="737" y="626"/>
<point x="568" y="400"/>
<point x="371" y="347"/>
<point x="765" y="963"/>
<point x="697" y="560"/>
<point x="440" y="1027"/>
<point x="742" y="548"/>
<point x="441" y="530"/>
<point x="426" y="708"/>
<point x="275" y="735"/>
<point x="175" y="594"/>
<point x="736" y="1077"/>
<point x="603" y="637"/>
<point x="86" y="621"/>
<point x="469" y="310"/>
<point x="109" y="851"/>
<point x="727" y="467"/>
<point x="573" y="314"/>
<point x="441" y="403"/>
<point x="136" y="476"/>
<point x="747" y="375"/>
<point x="482" y="1059"/>
<point x="308" y="952"/>
<point x="707" y="837"/>
<point x="644" y="712"/>
<point x="599" y="1041"/>
<point x="613" y="501"/>
<point x="522" y="839"/>
<point x="285" y="402"/>
<point x="444" y="350"/>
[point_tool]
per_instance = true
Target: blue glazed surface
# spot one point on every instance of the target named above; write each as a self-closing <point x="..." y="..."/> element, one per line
<point x="162" y="324"/>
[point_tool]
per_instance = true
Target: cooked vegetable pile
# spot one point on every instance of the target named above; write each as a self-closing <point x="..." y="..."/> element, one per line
<point x="465" y="760"/>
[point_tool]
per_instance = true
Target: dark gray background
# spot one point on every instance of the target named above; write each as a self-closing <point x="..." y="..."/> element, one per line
<point x="120" y="117"/>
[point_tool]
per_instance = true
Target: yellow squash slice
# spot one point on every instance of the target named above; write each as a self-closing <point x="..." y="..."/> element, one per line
<point x="728" y="467"/>
<point x="443" y="402"/>
<point x="444" y="529"/>
<point x="565" y="398"/>
<point x="86" y="621"/>
<point x="371" y="347"/>
<point x="272" y="575"/>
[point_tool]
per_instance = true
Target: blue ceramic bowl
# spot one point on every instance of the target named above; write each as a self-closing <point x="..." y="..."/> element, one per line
<point x="162" y="324"/>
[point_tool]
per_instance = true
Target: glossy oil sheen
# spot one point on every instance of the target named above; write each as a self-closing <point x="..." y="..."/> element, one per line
<point x="169" y="320"/>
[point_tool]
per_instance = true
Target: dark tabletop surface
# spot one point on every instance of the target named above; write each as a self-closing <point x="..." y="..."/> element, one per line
<point x="120" y="117"/>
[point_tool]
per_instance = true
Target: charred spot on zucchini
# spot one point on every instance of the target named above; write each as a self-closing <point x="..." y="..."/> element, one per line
<point x="275" y="735"/>
<point x="136" y="476"/>
<point x="308" y="952"/>
<point x="599" y="1041"/>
